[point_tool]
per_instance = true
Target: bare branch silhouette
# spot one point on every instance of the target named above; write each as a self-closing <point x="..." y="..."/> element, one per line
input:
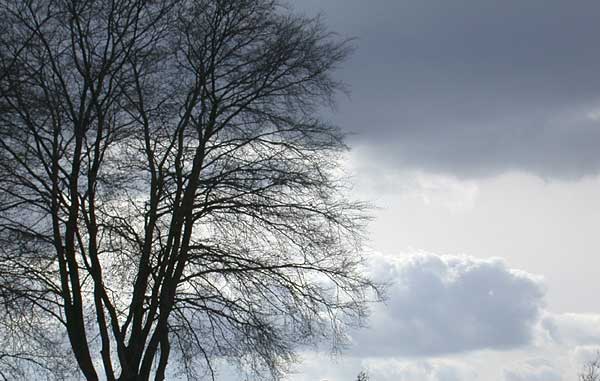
<point x="169" y="196"/>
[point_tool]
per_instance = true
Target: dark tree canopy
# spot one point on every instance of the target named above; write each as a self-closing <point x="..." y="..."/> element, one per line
<point x="169" y="197"/>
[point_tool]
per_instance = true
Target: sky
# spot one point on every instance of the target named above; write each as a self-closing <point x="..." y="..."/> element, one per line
<point x="475" y="132"/>
<point x="474" y="128"/>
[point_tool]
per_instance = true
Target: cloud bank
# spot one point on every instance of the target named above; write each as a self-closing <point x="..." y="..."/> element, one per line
<point x="473" y="87"/>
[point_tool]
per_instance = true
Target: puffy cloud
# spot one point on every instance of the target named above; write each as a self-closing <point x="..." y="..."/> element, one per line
<point x="458" y="318"/>
<point x="448" y="304"/>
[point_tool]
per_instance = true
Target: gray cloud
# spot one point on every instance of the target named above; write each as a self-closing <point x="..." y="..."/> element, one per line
<point x="443" y="304"/>
<point x="473" y="87"/>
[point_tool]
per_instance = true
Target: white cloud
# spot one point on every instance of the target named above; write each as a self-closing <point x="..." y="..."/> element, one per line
<point x="432" y="190"/>
<point x="450" y="304"/>
<point x="432" y="370"/>
<point x="573" y="329"/>
<point x="533" y="370"/>
<point x="459" y="318"/>
<point x="322" y="367"/>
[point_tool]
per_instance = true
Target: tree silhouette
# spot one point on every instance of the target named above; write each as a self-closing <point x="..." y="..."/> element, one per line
<point x="168" y="194"/>
<point x="591" y="370"/>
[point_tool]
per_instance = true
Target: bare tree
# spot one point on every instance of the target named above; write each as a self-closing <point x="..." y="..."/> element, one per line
<point x="362" y="376"/>
<point x="168" y="194"/>
<point x="591" y="370"/>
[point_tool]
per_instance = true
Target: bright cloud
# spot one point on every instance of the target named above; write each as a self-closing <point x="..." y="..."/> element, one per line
<point x="573" y="329"/>
<point x="449" y="304"/>
<point x="460" y="318"/>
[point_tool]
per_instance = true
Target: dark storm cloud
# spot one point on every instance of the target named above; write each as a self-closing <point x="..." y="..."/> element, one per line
<point x="473" y="87"/>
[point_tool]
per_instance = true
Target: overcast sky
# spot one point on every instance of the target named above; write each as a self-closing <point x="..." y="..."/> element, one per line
<point x="477" y="135"/>
<point x="473" y="88"/>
